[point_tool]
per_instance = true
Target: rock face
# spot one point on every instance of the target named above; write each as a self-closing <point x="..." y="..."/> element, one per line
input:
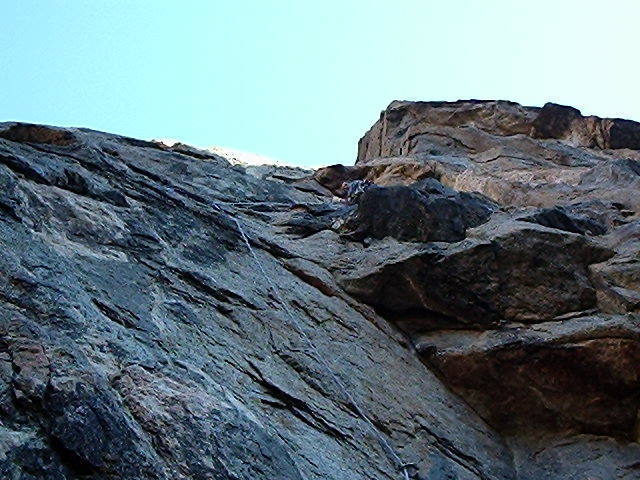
<point x="495" y="148"/>
<point x="579" y="374"/>
<point x="476" y="315"/>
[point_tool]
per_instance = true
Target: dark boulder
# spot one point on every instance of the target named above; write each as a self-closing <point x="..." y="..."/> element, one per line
<point x="624" y="134"/>
<point x="564" y="218"/>
<point x="425" y="211"/>
<point x="554" y="121"/>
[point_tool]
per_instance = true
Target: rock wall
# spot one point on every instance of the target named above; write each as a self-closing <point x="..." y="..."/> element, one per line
<point x="479" y="305"/>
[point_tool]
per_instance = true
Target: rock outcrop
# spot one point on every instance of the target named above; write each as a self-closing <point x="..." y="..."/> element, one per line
<point x="507" y="271"/>
<point x="423" y="212"/>
<point x="165" y="314"/>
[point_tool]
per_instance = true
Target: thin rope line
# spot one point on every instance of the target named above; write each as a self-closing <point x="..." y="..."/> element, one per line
<point x="404" y="467"/>
<point x="287" y="204"/>
<point x="260" y="203"/>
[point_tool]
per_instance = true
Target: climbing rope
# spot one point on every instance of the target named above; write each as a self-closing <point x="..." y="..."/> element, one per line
<point x="287" y="204"/>
<point x="402" y="467"/>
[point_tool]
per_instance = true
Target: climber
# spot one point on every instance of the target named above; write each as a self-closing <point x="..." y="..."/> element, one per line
<point x="354" y="190"/>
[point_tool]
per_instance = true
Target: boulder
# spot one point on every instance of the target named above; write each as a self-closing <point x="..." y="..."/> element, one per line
<point x="332" y="177"/>
<point x="422" y="212"/>
<point x="564" y="218"/>
<point x="504" y="271"/>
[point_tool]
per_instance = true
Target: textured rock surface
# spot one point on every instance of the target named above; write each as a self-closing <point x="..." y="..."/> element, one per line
<point x="533" y="317"/>
<point x="481" y="304"/>
<point x="423" y="212"/>
<point x="139" y="339"/>
<point x="504" y="271"/>
<point x="579" y="374"/>
<point x="493" y="147"/>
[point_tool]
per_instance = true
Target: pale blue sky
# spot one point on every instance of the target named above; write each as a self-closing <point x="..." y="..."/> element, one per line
<point x="301" y="81"/>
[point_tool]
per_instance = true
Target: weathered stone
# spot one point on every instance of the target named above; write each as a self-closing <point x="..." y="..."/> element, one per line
<point x="423" y="212"/>
<point x="618" y="279"/>
<point x="25" y="132"/>
<point x="564" y="218"/>
<point x="307" y="220"/>
<point x="577" y="375"/>
<point x="554" y="121"/>
<point x="333" y="176"/>
<point x="504" y="271"/>
<point x="484" y="339"/>
<point x="496" y="148"/>
<point x="140" y="340"/>
<point x="567" y="123"/>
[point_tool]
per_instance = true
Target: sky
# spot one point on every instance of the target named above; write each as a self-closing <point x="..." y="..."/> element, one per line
<point x="302" y="81"/>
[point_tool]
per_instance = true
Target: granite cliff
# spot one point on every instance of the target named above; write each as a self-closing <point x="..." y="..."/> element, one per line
<point x="165" y="314"/>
